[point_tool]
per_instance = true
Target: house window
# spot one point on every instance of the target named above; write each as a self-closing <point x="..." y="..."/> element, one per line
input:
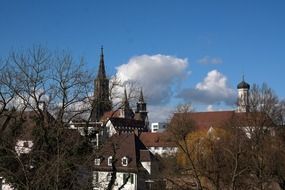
<point x="127" y="177"/>
<point x="110" y="160"/>
<point x="97" y="161"/>
<point x="124" y="161"/>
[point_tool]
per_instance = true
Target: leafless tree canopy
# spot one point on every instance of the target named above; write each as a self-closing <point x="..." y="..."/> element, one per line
<point x="40" y="92"/>
<point x="246" y="152"/>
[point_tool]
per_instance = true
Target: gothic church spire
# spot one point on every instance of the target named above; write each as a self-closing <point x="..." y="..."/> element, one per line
<point x="101" y="71"/>
<point x="141" y="99"/>
<point x="126" y="109"/>
<point x="101" y="102"/>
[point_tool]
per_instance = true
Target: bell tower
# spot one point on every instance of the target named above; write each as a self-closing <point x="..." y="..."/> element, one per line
<point x="243" y="96"/>
<point x="141" y="111"/>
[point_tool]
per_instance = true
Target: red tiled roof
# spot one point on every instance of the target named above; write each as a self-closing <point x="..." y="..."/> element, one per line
<point x="156" y="139"/>
<point x="110" y="114"/>
<point x="205" y="120"/>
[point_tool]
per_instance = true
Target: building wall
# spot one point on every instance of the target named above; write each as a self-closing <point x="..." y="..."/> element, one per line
<point x="101" y="180"/>
<point x="110" y="129"/>
<point x="147" y="166"/>
<point x="23" y="146"/>
<point x="158" y="127"/>
<point x="242" y="100"/>
<point x="163" y="151"/>
<point x="4" y="185"/>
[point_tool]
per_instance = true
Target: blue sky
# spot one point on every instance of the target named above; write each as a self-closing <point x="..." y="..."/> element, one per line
<point x="204" y="42"/>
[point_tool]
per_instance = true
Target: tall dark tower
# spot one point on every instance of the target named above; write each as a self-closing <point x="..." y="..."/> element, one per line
<point x="127" y="112"/>
<point x="141" y="112"/>
<point x="101" y="102"/>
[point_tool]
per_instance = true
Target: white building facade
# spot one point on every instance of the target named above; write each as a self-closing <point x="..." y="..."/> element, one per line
<point x="158" y="127"/>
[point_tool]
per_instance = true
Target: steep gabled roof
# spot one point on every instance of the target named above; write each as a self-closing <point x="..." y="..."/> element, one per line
<point x="119" y="146"/>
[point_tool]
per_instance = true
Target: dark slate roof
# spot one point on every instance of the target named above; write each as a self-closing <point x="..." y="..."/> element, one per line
<point x="128" y="125"/>
<point x="242" y="85"/>
<point x="119" y="146"/>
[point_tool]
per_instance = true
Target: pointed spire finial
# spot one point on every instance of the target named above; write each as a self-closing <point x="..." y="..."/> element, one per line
<point x="141" y="99"/>
<point x="243" y="77"/>
<point x="125" y="94"/>
<point x="101" y="71"/>
<point x="102" y="54"/>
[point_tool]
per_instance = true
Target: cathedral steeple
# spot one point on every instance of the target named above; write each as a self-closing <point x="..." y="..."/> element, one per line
<point x="101" y="102"/>
<point x="101" y="71"/>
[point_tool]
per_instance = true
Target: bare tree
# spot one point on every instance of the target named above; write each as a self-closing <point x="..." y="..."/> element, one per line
<point x="55" y="89"/>
<point x="262" y="99"/>
<point x="244" y="153"/>
<point x="180" y="127"/>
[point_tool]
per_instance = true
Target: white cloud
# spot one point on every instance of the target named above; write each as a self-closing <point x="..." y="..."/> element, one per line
<point x="210" y="60"/>
<point x="160" y="113"/>
<point x="210" y="108"/>
<point x="28" y="102"/>
<point x="156" y="74"/>
<point x="214" y="89"/>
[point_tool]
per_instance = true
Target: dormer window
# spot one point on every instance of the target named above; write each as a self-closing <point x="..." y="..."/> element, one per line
<point x="110" y="160"/>
<point x="97" y="161"/>
<point x="125" y="161"/>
